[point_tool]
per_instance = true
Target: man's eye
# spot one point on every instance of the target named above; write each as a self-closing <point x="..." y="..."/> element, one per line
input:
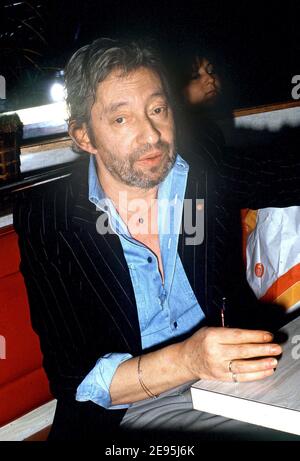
<point x="159" y="110"/>
<point x="120" y="120"/>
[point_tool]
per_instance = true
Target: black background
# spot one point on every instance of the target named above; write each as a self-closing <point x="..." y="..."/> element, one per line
<point x="258" y="42"/>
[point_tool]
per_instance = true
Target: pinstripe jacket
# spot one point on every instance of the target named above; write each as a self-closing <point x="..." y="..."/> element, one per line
<point x="79" y="288"/>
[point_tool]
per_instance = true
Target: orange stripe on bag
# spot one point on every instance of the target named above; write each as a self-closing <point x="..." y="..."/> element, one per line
<point x="282" y="284"/>
<point x="290" y="297"/>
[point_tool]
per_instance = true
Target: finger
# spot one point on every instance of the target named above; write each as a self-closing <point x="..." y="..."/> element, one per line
<point x="239" y="336"/>
<point x="252" y="366"/>
<point x="248" y="351"/>
<point x="247" y="377"/>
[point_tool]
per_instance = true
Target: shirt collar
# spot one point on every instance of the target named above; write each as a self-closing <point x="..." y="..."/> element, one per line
<point x="101" y="201"/>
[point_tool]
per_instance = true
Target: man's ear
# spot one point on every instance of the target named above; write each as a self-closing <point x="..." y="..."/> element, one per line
<point x="81" y="138"/>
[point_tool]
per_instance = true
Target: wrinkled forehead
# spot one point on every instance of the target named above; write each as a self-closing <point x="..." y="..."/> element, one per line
<point x="141" y="83"/>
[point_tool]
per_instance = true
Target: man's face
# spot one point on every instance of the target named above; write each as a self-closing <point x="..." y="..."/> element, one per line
<point x="133" y="128"/>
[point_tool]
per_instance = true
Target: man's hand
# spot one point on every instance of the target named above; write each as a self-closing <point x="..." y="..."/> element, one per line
<point x="230" y="353"/>
<point x="205" y="355"/>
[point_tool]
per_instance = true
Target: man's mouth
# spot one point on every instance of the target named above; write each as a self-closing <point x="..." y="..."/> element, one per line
<point x="151" y="158"/>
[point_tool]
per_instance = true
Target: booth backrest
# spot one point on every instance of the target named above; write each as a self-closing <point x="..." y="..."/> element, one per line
<point x="23" y="383"/>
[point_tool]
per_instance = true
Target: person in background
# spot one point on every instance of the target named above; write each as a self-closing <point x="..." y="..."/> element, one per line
<point x="203" y="85"/>
<point x="203" y="94"/>
<point x="203" y="101"/>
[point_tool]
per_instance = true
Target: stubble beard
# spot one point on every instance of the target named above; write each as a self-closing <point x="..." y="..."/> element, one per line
<point x="125" y="171"/>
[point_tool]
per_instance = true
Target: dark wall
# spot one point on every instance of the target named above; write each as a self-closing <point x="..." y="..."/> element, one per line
<point x="257" y="43"/>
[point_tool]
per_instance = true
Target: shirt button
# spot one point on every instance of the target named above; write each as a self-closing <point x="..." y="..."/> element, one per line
<point x="105" y="207"/>
<point x="149" y="259"/>
<point x="175" y="324"/>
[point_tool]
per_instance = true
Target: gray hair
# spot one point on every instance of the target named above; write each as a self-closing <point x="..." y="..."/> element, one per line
<point x="92" y="64"/>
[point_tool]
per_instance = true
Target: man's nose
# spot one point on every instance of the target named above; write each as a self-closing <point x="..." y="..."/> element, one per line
<point x="148" y="131"/>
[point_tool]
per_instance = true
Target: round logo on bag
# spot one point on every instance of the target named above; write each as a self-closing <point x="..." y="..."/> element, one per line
<point x="259" y="270"/>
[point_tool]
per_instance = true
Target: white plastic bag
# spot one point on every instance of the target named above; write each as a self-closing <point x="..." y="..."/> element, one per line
<point x="273" y="255"/>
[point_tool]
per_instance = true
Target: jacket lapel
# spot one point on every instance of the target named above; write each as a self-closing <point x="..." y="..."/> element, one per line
<point x="192" y="247"/>
<point x="104" y="263"/>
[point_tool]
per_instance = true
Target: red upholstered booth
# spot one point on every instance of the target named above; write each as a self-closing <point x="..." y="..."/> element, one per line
<point x="23" y="383"/>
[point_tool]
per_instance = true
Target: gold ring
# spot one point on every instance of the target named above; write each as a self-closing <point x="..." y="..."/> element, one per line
<point x="230" y="366"/>
<point x="234" y="377"/>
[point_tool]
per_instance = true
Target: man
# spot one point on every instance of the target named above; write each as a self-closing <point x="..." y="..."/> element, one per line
<point x="117" y="294"/>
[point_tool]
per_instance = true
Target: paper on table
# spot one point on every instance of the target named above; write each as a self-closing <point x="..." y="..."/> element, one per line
<point x="273" y="402"/>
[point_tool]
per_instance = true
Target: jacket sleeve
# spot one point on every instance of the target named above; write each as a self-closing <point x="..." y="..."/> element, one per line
<point x="62" y="314"/>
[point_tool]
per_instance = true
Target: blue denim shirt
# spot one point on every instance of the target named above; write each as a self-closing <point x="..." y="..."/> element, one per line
<point x="165" y="310"/>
